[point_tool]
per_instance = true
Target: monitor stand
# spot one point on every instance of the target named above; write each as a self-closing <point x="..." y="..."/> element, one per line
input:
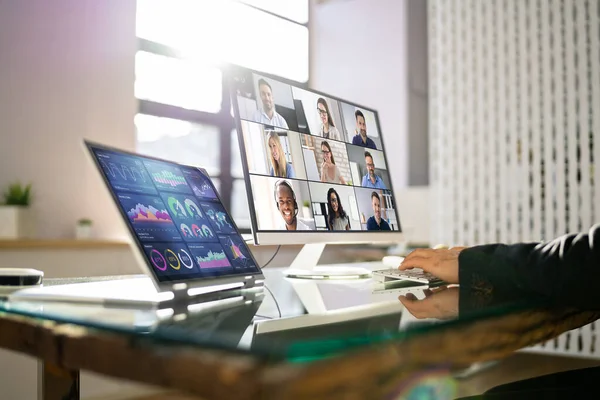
<point x="305" y="266"/>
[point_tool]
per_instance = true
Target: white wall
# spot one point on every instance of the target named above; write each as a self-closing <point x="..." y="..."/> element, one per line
<point x="67" y="73"/>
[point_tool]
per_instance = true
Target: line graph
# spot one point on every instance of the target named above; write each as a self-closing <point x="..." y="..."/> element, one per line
<point x="210" y="256"/>
<point x="125" y="172"/>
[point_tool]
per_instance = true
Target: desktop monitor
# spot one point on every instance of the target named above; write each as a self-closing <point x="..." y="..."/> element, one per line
<point x="315" y="166"/>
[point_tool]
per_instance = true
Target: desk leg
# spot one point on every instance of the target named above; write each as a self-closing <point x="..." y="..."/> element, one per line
<point x="57" y="383"/>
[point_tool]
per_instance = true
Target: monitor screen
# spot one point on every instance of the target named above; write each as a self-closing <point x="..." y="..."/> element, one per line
<point x="175" y="216"/>
<point x="313" y="163"/>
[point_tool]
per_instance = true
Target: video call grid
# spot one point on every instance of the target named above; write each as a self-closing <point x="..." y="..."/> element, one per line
<point x="347" y="145"/>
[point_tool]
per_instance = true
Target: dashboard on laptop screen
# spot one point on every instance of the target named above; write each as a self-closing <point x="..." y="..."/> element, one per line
<point x="311" y="162"/>
<point x="175" y="216"/>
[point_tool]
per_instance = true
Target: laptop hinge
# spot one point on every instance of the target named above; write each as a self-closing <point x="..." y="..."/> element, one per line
<point x="250" y="282"/>
<point x="182" y="299"/>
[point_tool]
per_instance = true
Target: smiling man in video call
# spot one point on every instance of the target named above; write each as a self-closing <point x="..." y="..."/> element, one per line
<point x="376" y="223"/>
<point x="288" y="207"/>
<point x="268" y="115"/>
<point x="371" y="180"/>
<point x="361" y="138"/>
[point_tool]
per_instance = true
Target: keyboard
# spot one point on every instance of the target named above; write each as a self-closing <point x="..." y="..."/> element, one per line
<point x="414" y="275"/>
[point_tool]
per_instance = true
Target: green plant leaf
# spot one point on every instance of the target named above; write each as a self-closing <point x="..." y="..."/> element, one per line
<point x="17" y="195"/>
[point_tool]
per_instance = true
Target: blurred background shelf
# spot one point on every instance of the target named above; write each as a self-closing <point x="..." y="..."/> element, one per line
<point x="66" y="244"/>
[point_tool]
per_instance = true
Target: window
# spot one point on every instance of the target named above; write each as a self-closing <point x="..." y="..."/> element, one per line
<point x="183" y="115"/>
<point x="168" y="80"/>
<point x="218" y="31"/>
<point x="296" y="10"/>
<point x="181" y="141"/>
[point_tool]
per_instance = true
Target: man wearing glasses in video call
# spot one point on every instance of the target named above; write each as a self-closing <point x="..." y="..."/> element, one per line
<point x="371" y="180"/>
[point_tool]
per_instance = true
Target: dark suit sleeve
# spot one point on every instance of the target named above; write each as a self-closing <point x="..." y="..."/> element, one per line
<point x="565" y="271"/>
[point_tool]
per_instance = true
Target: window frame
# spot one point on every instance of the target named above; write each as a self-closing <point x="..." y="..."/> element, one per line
<point x="222" y="120"/>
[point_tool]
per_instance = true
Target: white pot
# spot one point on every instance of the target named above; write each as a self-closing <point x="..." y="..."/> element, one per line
<point x="15" y="222"/>
<point x="83" y="232"/>
<point x="306" y="212"/>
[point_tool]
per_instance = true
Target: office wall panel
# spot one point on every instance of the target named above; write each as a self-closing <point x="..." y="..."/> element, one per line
<point x="515" y="126"/>
<point x="515" y="94"/>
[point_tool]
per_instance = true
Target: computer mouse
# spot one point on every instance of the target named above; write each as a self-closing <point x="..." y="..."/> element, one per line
<point x="392" y="261"/>
<point x="12" y="279"/>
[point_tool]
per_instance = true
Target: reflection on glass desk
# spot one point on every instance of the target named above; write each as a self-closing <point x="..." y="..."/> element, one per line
<point x="318" y="318"/>
<point x="399" y="340"/>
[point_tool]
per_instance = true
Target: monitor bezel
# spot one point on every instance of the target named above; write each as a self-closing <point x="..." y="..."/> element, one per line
<point x="137" y="246"/>
<point x="270" y="237"/>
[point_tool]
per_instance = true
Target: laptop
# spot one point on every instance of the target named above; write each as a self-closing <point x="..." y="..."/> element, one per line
<point x="184" y="239"/>
<point x="217" y="317"/>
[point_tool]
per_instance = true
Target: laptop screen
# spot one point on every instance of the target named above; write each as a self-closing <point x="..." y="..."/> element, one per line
<point x="175" y="215"/>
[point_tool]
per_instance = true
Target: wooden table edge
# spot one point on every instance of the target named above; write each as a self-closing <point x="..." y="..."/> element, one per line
<point x="374" y="371"/>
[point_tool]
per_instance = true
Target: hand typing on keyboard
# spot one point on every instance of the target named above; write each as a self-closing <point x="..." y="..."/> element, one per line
<point x="442" y="263"/>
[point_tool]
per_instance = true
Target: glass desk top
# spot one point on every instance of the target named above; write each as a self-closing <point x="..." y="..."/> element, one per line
<point x="294" y="319"/>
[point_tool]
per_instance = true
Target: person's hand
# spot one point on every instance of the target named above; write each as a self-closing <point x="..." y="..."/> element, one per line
<point x="440" y="303"/>
<point x="443" y="263"/>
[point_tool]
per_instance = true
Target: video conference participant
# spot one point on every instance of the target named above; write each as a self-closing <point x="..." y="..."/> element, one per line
<point x="371" y="180"/>
<point x="337" y="219"/>
<point x="376" y="223"/>
<point x="328" y="129"/>
<point x="279" y="165"/>
<point x="285" y="198"/>
<point x="268" y="115"/>
<point x="361" y="138"/>
<point x="329" y="171"/>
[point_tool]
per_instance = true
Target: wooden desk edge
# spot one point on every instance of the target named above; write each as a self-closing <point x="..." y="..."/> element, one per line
<point x="217" y="374"/>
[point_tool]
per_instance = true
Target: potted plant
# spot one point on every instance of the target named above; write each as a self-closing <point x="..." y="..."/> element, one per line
<point x="83" y="229"/>
<point x="15" y="218"/>
<point x="306" y="208"/>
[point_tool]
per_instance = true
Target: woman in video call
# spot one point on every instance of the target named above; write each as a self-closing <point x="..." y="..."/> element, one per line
<point x="328" y="129"/>
<point x="329" y="171"/>
<point x="279" y="166"/>
<point x="338" y="219"/>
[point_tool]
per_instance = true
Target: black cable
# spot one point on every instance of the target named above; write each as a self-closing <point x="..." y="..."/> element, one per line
<point x="265" y="286"/>
<point x="275" y="300"/>
<point x="272" y="257"/>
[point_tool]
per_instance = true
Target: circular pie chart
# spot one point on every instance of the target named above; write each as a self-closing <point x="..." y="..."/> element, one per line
<point x="158" y="260"/>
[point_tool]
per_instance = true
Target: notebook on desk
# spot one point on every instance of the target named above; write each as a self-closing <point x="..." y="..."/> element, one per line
<point x="183" y="238"/>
